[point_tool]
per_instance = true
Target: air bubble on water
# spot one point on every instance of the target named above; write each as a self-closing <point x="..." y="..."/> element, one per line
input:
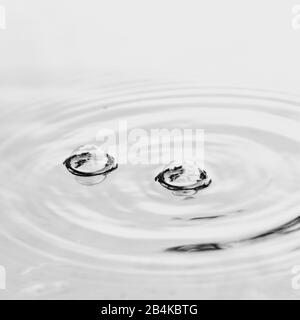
<point x="183" y="178"/>
<point x="89" y="164"/>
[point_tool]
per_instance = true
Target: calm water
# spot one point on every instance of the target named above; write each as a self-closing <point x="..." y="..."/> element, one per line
<point x="128" y="237"/>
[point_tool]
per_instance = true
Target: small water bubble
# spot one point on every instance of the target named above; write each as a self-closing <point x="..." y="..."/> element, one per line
<point x="184" y="178"/>
<point x="89" y="164"/>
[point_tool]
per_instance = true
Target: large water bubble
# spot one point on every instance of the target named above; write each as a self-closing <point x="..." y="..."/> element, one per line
<point x="183" y="178"/>
<point x="89" y="164"/>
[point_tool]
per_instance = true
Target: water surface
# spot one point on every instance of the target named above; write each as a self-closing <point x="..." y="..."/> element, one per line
<point x="129" y="237"/>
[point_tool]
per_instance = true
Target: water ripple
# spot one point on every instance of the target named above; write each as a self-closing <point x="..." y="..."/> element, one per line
<point x="246" y="220"/>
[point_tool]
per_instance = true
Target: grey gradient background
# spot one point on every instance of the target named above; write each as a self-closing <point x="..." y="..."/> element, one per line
<point x="232" y="43"/>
